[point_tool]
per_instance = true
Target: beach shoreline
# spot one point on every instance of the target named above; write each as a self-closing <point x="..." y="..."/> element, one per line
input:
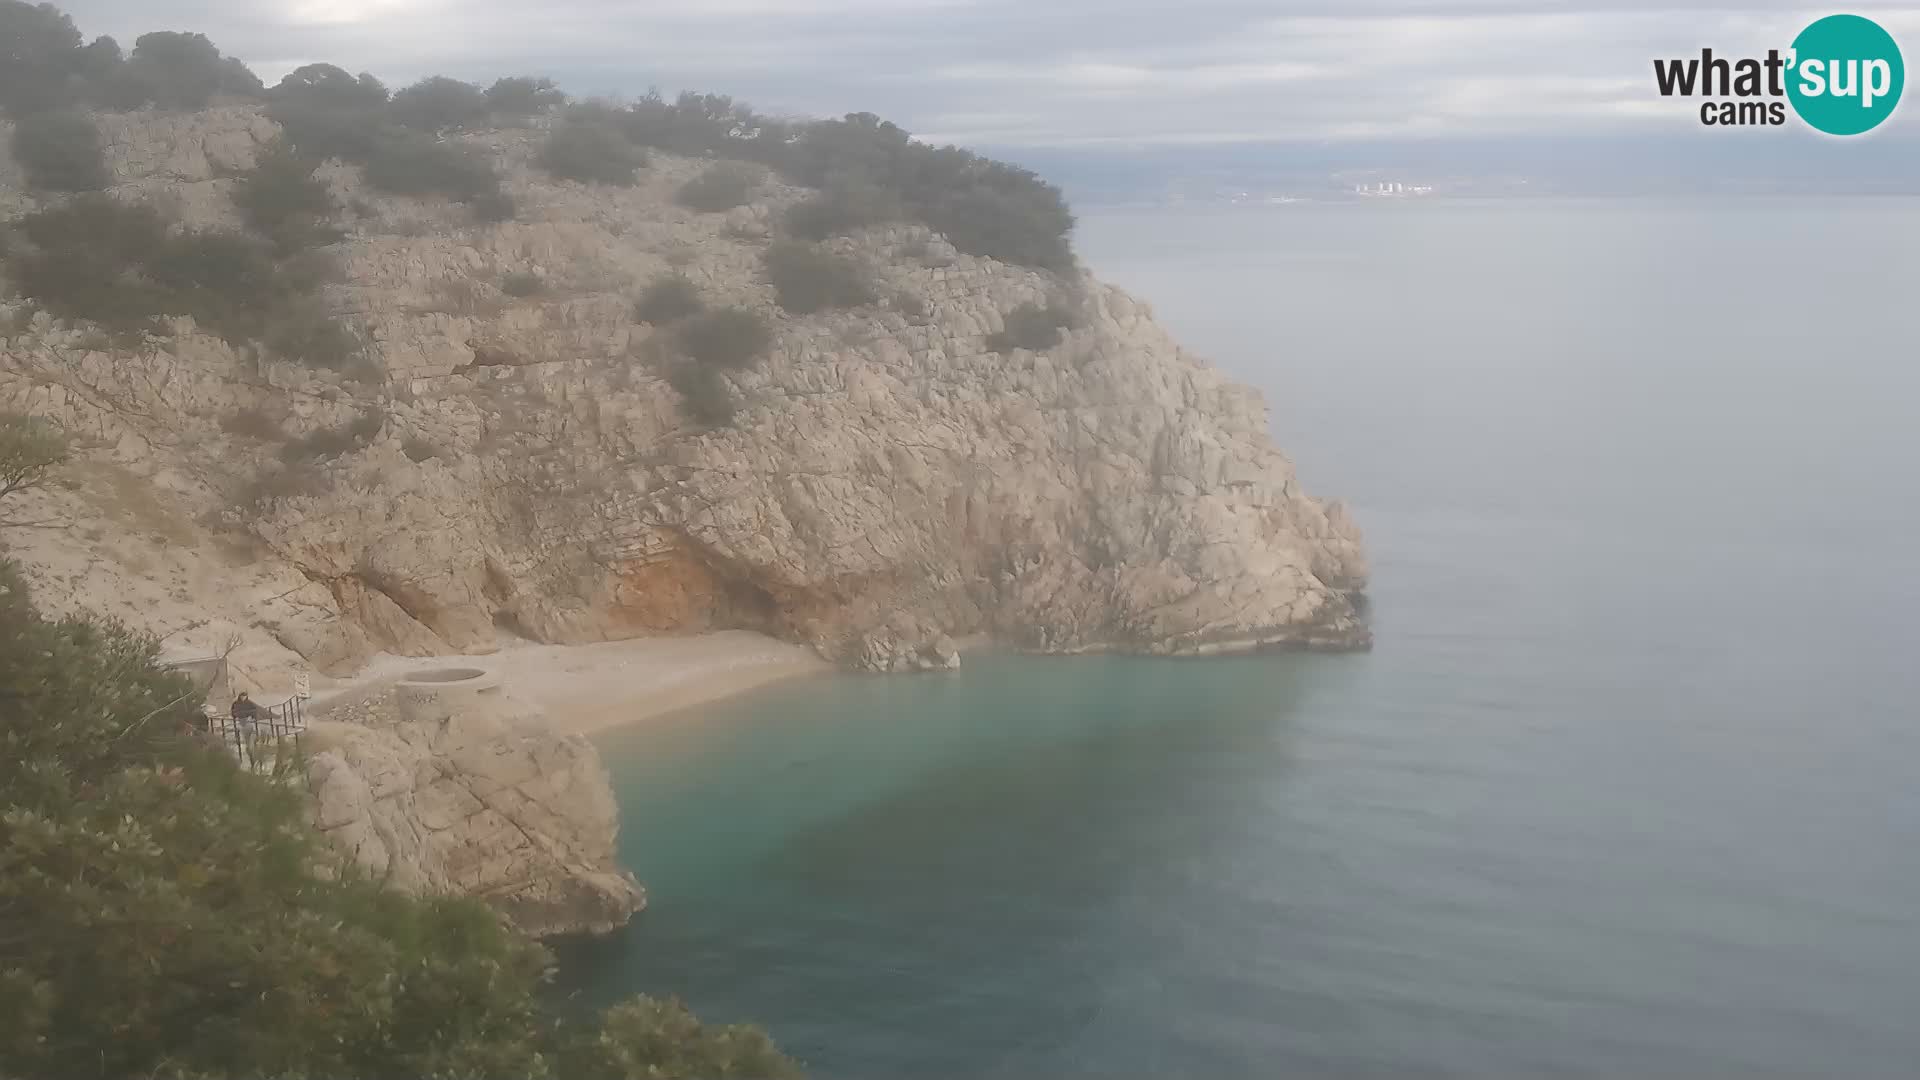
<point x="588" y="689"/>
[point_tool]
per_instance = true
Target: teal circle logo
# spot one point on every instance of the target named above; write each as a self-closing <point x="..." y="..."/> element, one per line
<point x="1846" y="75"/>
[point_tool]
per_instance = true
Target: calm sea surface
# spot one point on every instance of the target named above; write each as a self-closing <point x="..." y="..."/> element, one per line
<point x="1630" y="785"/>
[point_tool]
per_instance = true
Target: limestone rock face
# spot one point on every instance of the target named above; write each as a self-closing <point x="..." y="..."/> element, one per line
<point x="484" y="798"/>
<point x="890" y="482"/>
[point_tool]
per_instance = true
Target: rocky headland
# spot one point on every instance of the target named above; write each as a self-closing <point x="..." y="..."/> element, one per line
<point x="511" y="460"/>
<point x="889" y="483"/>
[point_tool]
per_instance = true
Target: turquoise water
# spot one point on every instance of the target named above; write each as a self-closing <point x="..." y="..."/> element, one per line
<point x="1626" y="787"/>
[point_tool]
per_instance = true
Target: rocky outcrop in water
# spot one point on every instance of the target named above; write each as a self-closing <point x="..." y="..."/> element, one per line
<point x="462" y="790"/>
<point x="890" y="482"/>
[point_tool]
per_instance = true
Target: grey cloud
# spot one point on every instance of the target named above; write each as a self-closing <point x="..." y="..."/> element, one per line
<point x="1041" y="72"/>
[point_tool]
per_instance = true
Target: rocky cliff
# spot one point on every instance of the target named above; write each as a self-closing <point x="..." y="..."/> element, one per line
<point x="468" y="791"/>
<point x="889" y="482"/>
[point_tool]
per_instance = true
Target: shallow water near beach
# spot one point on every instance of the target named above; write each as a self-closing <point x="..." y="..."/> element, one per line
<point x="1625" y="788"/>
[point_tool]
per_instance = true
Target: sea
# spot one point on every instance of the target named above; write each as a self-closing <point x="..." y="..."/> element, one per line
<point x="1628" y="786"/>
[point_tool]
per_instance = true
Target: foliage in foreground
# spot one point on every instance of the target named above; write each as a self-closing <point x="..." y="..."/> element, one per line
<point x="165" y="913"/>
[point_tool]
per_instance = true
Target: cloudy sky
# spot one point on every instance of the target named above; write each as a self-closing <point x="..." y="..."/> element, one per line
<point x="1049" y="73"/>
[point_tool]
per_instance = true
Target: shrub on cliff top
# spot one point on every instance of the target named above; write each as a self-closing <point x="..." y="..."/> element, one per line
<point x="591" y="153"/>
<point x="984" y="207"/>
<point x="39" y="50"/>
<point x="721" y="187"/>
<point x="417" y="165"/>
<point x="438" y="103"/>
<point x="60" y="151"/>
<point x="323" y="112"/>
<point x="183" y="71"/>
<point x="522" y="96"/>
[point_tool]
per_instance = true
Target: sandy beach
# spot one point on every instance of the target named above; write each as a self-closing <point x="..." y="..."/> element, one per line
<point x="589" y="688"/>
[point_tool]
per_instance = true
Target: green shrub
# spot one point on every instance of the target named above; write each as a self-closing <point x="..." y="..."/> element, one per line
<point x="809" y="280"/>
<point x="30" y="450"/>
<point x="592" y="154"/>
<point x="644" y="1039"/>
<point x="522" y="284"/>
<point x="319" y="131"/>
<point x="88" y="258"/>
<point x="302" y="331"/>
<point x="909" y="304"/>
<point x="1023" y="225"/>
<point x="722" y="186"/>
<point x="704" y="394"/>
<point x="697" y="125"/>
<point x="332" y="87"/>
<point x="666" y="298"/>
<point x="60" y="151"/>
<point x="523" y="96"/>
<point x="307" y="271"/>
<point x="39" y="52"/>
<point x="438" y="103"/>
<point x="364" y="427"/>
<point x="282" y="201"/>
<point x="730" y="338"/>
<point x="334" y="441"/>
<point x="227" y="281"/>
<point x="252" y="424"/>
<point x="74" y="284"/>
<point x="119" y="232"/>
<point x="493" y="207"/>
<point x="94" y="258"/>
<point x="1031" y="326"/>
<point x="847" y="205"/>
<point x="184" y="71"/>
<point x="419" y="166"/>
<point x="323" y="112"/>
<point x="984" y="207"/>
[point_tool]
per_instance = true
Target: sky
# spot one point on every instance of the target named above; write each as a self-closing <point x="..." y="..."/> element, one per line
<point x="1050" y="73"/>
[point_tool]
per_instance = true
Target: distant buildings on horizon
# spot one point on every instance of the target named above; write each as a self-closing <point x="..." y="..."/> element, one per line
<point x="1392" y="188"/>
